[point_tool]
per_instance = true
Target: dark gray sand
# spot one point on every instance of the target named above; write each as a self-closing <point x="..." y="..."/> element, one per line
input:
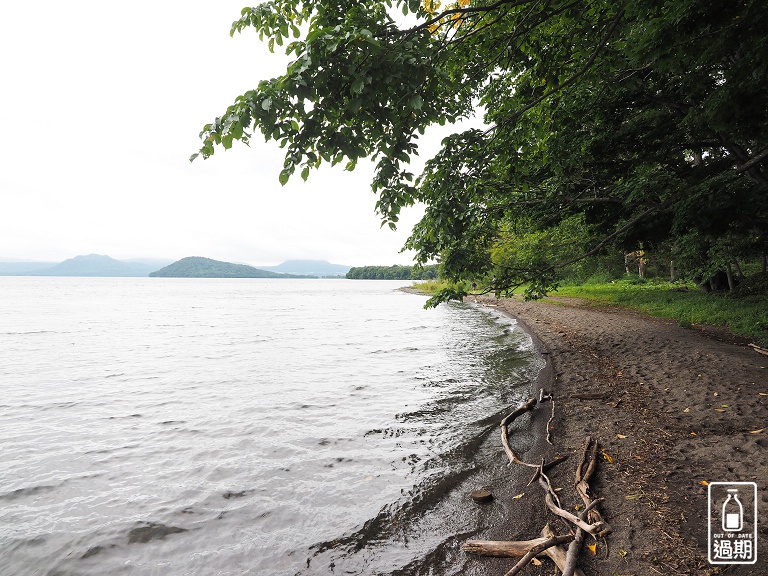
<point x="681" y="407"/>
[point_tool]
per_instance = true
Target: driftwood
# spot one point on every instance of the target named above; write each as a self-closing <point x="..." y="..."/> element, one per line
<point x="589" y="520"/>
<point x="519" y="548"/>
<point x="591" y="396"/>
<point x="759" y="349"/>
<point x="582" y="483"/>
<point x="557" y="554"/>
<point x="544" y="397"/>
<point x="527" y="407"/>
<point x="506" y="548"/>
<point x="549" y="543"/>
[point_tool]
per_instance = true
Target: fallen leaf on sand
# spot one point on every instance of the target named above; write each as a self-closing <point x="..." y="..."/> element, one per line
<point x="622" y="436"/>
<point x="687" y="410"/>
<point x="535" y="561"/>
<point x="607" y="457"/>
<point x="593" y="548"/>
<point x="719" y="409"/>
<point x="762" y="394"/>
<point x="694" y="434"/>
<point x="518" y="496"/>
<point x="704" y="483"/>
<point x="758" y="431"/>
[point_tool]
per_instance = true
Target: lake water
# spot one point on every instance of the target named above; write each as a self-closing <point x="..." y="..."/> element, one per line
<point x="271" y="427"/>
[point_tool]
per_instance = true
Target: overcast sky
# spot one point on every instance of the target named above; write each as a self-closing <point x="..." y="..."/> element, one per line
<point x="101" y="107"/>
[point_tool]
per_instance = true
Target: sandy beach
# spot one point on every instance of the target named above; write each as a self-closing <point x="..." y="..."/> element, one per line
<point x="673" y="409"/>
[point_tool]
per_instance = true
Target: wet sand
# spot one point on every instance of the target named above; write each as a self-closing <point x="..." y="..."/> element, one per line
<point x="680" y="409"/>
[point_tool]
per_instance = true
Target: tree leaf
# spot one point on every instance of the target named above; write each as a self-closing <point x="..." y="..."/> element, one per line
<point x="358" y="85"/>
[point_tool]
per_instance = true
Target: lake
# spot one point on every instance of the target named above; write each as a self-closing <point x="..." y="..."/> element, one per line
<point x="227" y="426"/>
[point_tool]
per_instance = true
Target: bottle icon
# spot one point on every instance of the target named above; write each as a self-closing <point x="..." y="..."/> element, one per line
<point x="733" y="512"/>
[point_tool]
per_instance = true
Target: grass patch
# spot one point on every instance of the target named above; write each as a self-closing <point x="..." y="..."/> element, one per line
<point x="434" y="286"/>
<point x="685" y="303"/>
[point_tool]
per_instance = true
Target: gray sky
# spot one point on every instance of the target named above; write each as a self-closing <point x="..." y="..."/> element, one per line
<point x="101" y="107"/>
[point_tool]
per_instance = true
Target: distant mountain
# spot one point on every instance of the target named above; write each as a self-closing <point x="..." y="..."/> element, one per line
<point x="197" y="267"/>
<point x="319" y="268"/>
<point x="22" y="268"/>
<point x="94" y="265"/>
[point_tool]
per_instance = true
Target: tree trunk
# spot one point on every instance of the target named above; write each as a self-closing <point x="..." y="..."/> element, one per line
<point x="672" y="270"/>
<point x="738" y="269"/>
<point x="729" y="275"/>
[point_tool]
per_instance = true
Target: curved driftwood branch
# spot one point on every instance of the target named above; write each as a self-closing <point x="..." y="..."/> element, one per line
<point x="553" y="503"/>
<point x="522" y="409"/>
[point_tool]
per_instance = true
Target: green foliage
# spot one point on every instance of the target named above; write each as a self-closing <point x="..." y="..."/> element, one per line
<point x="392" y="272"/>
<point x="443" y="291"/>
<point x="613" y="126"/>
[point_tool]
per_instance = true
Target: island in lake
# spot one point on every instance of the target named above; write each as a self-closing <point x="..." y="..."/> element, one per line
<point x="198" y="267"/>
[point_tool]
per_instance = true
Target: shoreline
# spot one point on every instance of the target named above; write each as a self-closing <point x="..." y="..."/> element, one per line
<point x="680" y="409"/>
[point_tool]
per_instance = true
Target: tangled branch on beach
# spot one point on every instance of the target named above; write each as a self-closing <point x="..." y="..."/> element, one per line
<point x="588" y="521"/>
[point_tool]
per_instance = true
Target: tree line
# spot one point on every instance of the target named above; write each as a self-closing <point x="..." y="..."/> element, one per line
<point x="395" y="272"/>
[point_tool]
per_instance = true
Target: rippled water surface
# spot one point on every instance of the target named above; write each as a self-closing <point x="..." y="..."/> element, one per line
<point x="270" y="427"/>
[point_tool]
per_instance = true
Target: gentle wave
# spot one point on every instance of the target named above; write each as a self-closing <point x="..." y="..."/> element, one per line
<point x="247" y="427"/>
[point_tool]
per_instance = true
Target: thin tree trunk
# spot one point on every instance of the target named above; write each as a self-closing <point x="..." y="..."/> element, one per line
<point x="729" y="275"/>
<point x="738" y="269"/>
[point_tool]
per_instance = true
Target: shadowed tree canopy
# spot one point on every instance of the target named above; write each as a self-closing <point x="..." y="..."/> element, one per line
<point x="611" y="124"/>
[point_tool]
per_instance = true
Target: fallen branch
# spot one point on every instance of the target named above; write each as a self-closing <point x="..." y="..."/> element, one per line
<point x="544" y="397"/>
<point x="759" y="349"/>
<point x="556" y="553"/>
<point x="582" y="484"/>
<point x="554" y="541"/>
<point x="527" y="407"/>
<point x="591" y="396"/>
<point x="505" y="548"/>
<point x="572" y="555"/>
<point x="553" y="503"/>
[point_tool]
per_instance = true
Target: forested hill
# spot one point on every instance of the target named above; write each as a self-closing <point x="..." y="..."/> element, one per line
<point x="197" y="267"/>
<point x="392" y="273"/>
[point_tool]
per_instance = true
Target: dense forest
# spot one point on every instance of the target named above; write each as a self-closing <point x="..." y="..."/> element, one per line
<point x="619" y="134"/>
<point x="395" y="272"/>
